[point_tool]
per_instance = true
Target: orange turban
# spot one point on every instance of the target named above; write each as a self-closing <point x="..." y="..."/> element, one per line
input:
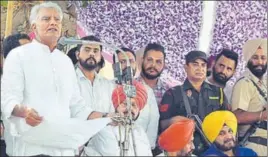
<point x="119" y="96"/>
<point x="177" y="135"/>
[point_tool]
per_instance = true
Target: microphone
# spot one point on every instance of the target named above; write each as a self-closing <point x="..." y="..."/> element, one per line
<point x="73" y="41"/>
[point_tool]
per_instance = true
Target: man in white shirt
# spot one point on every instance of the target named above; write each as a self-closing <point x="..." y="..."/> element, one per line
<point x="223" y="70"/>
<point x="39" y="82"/>
<point x="152" y="66"/>
<point x="108" y="141"/>
<point x="95" y="89"/>
<point x="149" y="116"/>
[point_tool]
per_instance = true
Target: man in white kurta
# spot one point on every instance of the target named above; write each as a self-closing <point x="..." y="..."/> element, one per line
<point x="36" y="77"/>
<point x="106" y="142"/>
<point x="149" y="116"/>
<point x="95" y="89"/>
<point x="97" y="94"/>
<point x="41" y="78"/>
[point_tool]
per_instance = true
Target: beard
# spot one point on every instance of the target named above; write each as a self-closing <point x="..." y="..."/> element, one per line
<point x="220" y="77"/>
<point x="88" y="66"/>
<point x="184" y="153"/>
<point x="257" y="72"/>
<point x="149" y="76"/>
<point x="223" y="147"/>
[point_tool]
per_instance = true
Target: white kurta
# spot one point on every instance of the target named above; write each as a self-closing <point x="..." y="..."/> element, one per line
<point x="105" y="143"/>
<point x="149" y="117"/>
<point x="44" y="81"/>
<point x="98" y="95"/>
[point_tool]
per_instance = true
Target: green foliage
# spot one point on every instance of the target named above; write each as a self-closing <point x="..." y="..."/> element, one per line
<point x="4" y="3"/>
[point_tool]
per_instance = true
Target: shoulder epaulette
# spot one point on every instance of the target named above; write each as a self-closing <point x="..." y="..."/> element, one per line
<point x="243" y="78"/>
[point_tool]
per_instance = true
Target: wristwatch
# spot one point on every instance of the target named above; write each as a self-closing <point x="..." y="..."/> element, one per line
<point x="104" y="115"/>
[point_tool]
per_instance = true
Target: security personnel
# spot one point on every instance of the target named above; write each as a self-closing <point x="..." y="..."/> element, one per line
<point x="195" y="96"/>
<point x="249" y="97"/>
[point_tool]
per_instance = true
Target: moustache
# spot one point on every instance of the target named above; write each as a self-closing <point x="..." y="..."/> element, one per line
<point x="132" y="113"/>
<point x="228" y="140"/>
<point x="91" y="59"/>
<point x="126" y="112"/>
<point x="222" y="75"/>
<point x="152" y="68"/>
<point x="256" y="66"/>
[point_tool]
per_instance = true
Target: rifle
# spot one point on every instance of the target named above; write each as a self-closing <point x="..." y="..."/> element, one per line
<point x="250" y="131"/>
<point x="198" y="122"/>
<point x="198" y="126"/>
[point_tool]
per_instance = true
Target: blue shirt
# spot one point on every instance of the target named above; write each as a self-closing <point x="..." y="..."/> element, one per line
<point x="239" y="151"/>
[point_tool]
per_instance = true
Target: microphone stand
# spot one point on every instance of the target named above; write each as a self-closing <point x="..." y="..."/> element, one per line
<point x="130" y="92"/>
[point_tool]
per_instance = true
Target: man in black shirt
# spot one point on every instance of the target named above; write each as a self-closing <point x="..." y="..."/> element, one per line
<point x="201" y="97"/>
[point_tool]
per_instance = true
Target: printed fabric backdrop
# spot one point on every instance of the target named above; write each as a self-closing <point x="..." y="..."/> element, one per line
<point x="174" y="24"/>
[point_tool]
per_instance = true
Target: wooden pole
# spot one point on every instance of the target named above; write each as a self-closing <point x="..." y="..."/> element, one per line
<point x="9" y="18"/>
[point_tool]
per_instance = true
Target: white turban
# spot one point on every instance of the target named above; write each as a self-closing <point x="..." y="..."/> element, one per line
<point x="251" y="46"/>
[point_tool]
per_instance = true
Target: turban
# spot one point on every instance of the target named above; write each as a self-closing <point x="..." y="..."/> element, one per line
<point x="214" y="122"/>
<point x="119" y="96"/>
<point x="251" y="46"/>
<point x="177" y="135"/>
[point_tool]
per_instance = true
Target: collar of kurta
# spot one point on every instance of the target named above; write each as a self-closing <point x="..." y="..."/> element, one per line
<point x="187" y="85"/>
<point x="34" y="41"/>
<point x="81" y="75"/>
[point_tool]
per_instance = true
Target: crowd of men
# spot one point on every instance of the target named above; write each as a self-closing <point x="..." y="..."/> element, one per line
<point x="202" y="117"/>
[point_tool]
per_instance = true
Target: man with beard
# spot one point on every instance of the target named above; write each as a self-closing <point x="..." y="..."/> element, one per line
<point x="107" y="142"/>
<point x="72" y="54"/>
<point x="220" y="128"/>
<point x="249" y="97"/>
<point x="195" y="96"/>
<point x="91" y="83"/>
<point x="177" y="139"/>
<point x="153" y="64"/>
<point x="223" y="70"/>
<point x="123" y="61"/>
<point x="149" y="116"/>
